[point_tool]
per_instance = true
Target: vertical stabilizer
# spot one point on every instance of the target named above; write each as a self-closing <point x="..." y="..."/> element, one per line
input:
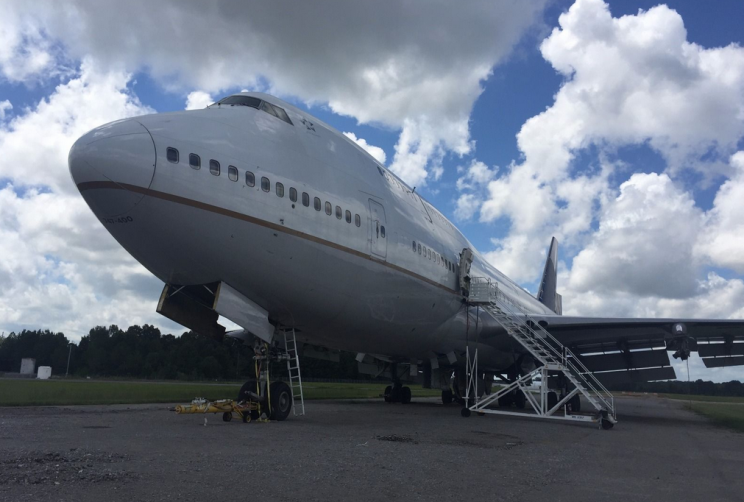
<point x="547" y="294"/>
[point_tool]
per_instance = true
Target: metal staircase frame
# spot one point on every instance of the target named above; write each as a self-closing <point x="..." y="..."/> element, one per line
<point x="545" y="349"/>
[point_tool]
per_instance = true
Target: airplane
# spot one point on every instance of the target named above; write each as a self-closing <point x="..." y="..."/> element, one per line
<point x="255" y="210"/>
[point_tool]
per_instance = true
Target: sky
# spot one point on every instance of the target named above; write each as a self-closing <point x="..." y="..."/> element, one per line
<point x="616" y="127"/>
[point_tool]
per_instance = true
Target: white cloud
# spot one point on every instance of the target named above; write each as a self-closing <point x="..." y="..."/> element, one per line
<point x="631" y="80"/>
<point x="60" y="269"/>
<point x="722" y="242"/>
<point x="4" y="106"/>
<point x="382" y="66"/>
<point x="375" y="151"/>
<point x="198" y="99"/>
<point x="40" y="139"/>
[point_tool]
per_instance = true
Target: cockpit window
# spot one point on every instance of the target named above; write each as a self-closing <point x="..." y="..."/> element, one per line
<point x="240" y="101"/>
<point x="275" y="111"/>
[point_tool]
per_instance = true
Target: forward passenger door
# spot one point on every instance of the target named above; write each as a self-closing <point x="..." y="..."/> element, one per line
<point x="378" y="232"/>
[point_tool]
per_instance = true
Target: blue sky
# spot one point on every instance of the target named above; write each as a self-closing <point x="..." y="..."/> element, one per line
<point x="627" y="149"/>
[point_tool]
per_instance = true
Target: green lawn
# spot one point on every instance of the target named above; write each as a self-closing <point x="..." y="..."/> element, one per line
<point x="719" y="399"/>
<point x="60" y="392"/>
<point x="728" y="415"/>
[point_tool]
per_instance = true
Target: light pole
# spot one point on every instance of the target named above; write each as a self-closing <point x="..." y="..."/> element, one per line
<point x="69" y="353"/>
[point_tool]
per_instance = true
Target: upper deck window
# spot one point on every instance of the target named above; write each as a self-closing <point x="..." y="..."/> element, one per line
<point x="265" y="184"/>
<point x="240" y="101"/>
<point x="316" y="203"/>
<point x="328" y="208"/>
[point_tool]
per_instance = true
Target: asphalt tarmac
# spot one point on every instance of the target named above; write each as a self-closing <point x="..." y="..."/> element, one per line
<point x="365" y="450"/>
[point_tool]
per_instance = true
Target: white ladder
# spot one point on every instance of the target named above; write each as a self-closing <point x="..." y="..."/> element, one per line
<point x="545" y="349"/>
<point x="293" y="369"/>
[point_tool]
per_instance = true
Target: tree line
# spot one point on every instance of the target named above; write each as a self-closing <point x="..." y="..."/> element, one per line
<point x="144" y="352"/>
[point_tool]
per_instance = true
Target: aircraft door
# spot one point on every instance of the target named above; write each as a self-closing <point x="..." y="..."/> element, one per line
<point x="378" y="230"/>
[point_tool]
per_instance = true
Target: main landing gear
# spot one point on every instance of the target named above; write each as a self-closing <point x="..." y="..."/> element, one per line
<point x="397" y="393"/>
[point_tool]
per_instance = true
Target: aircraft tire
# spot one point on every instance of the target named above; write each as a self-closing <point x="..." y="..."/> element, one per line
<point x="281" y="401"/>
<point x="575" y="403"/>
<point x="447" y="396"/>
<point x="405" y="395"/>
<point x="607" y="425"/>
<point x="505" y="401"/>
<point x="388" y="393"/>
<point x="249" y="386"/>
<point x="465" y="412"/>
<point x="520" y="400"/>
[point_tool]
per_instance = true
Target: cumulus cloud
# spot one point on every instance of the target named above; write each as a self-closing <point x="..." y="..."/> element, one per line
<point x="384" y="66"/>
<point x="375" y="151"/>
<point x="4" y="106"/>
<point x="198" y="99"/>
<point x="633" y="80"/>
<point x="60" y="269"/>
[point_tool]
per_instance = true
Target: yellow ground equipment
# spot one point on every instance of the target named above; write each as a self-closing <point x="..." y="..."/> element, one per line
<point x="245" y="409"/>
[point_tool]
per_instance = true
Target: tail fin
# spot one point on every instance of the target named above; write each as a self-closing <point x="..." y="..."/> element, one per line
<point x="547" y="294"/>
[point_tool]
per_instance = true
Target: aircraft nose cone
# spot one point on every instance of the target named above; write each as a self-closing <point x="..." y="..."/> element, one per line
<point x="112" y="165"/>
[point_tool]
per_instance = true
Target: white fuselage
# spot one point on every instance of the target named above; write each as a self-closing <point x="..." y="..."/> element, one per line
<point x="366" y="287"/>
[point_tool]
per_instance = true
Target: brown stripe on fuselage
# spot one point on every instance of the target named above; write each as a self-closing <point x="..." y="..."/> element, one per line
<point x="94" y="185"/>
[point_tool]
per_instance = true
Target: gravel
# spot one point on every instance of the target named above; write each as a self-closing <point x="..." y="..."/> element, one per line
<point x="365" y="450"/>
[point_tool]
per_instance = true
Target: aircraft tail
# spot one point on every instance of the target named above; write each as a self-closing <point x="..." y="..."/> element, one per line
<point x="547" y="294"/>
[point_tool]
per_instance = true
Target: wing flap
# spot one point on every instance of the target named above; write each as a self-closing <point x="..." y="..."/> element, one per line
<point x="723" y="362"/>
<point x="720" y="349"/>
<point x="626" y="360"/>
<point x="645" y="375"/>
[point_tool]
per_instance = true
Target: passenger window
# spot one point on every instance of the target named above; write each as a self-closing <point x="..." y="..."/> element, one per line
<point x="250" y="179"/>
<point x="348" y="216"/>
<point x="414" y="246"/>
<point x="329" y="208"/>
<point x="429" y="254"/>
<point x="424" y="251"/>
<point x="292" y="194"/>
<point x="357" y="220"/>
<point x="279" y="190"/>
<point x="339" y="212"/>
<point x="194" y="161"/>
<point x="265" y="184"/>
<point x="214" y="167"/>
<point x="232" y="173"/>
<point x="316" y="203"/>
<point x="172" y="155"/>
<point x="419" y="248"/>
<point x="305" y="199"/>
<point x="382" y="231"/>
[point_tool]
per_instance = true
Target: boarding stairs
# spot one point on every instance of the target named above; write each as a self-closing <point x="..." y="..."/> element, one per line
<point x="293" y="370"/>
<point x="550" y="356"/>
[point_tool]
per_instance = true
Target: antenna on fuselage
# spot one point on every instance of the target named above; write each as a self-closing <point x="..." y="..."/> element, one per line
<point x="414" y="190"/>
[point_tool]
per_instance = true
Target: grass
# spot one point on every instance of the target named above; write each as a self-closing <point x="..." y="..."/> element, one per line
<point x="728" y="415"/>
<point x="717" y="399"/>
<point x="60" y="392"/>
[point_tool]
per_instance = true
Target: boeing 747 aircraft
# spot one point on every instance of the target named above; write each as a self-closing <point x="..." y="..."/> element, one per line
<point x="254" y="210"/>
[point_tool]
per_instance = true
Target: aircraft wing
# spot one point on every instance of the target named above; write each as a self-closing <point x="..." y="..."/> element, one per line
<point x="621" y="350"/>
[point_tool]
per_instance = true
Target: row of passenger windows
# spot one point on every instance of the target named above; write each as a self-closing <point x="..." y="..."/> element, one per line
<point x="250" y="180"/>
<point x="432" y="255"/>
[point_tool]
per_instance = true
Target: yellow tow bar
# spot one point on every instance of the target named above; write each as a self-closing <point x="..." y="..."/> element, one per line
<point x="227" y="407"/>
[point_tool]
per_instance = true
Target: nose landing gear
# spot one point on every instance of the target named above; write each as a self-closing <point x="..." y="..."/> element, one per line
<point x="397" y="393"/>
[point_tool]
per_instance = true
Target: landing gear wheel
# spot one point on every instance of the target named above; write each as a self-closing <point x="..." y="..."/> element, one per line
<point x="227" y="416"/>
<point x="606" y="424"/>
<point x="248" y="387"/>
<point x="575" y="404"/>
<point x="465" y="412"/>
<point x="505" y="401"/>
<point x="552" y="400"/>
<point x="447" y="396"/>
<point x="520" y="400"/>
<point x="388" y="393"/>
<point x="280" y="400"/>
<point x="405" y="395"/>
